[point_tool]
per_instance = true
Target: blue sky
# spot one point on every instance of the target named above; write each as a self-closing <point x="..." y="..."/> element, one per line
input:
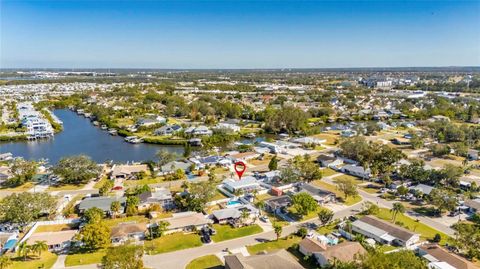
<point x="239" y="34"/>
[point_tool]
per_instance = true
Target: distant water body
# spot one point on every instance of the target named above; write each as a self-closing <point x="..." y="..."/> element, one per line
<point x="79" y="136"/>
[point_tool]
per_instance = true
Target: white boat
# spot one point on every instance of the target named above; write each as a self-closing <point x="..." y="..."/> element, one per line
<point x="112" y="131"/>
<point x="104" y="127"/>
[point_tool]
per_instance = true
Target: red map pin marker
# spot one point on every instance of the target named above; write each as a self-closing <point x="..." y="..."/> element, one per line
<point x="240" y="168"/>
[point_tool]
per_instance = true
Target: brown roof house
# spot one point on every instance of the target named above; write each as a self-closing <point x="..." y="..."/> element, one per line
<point x="124" y="232"/>
<point x="56" y="241"/>
<point x="384" y="232"/>
<point x="186" y="222"/>
<point x="346" y="252"/>
<point x="309" y="246"/>
<point x="127" y="171"/>
<point x="440" y="258"/>
<point x="279" y="259"/>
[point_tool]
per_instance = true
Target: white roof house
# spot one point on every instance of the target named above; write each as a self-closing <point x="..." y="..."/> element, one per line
<point x="247" y="183"/>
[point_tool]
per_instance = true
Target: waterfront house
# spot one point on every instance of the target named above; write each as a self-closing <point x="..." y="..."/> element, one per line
<point x="125" y="232"/>
<point x="243" y="156"/>
<point x="203" y="162"/>
<point x="278" y="259"/>
<point x="344" y="252"/>
<point x="168" y="129"/>
<point x="160" y="196"/>
<point x="321" y="196"/>
<point x="56" y="241"/>
<point x="198" y="131"/>
<point x="472" y="154"/>
<point x="227" y="127"/>
<point x="147" y="122"/>
<point x="186" y="222"/>
<point x="384" y="232"/>
<point x="127" y="171"/>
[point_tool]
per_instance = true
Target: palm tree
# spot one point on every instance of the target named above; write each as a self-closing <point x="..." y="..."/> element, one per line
<point x="5" y="262"/>
<point x="278" y="230"/>
<point x="261" y="206"/>
<point x="244" y="215"/>
<point x="397" y="208"/>
<point x="39" y="246"/>
<point x="24" y="249"/>
<point x="115" y="208"/>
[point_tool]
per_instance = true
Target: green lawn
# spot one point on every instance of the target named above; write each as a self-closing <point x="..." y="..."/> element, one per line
<point x="327" y="228"/>
<point x="284" y="243"/>
<point x="329" y="187"/>
<point x="22" y="188"/>
<point x="226" y="232"/>
<point x="141" y="182"/>
<point x="172" y="242"/>
<point x="263" y="197"/>
<point x="206" y="262"/>
<point x="65" y="187"/>
<point x="47" y="259"/>
<point x="326" y="172"/>
<point x="84" y="258"/>
<point x="53" y="228"/>
<point x="100" y="183"/>
<point x="311" y="215"/>
<point x="426" y="232"/>
<point x="218" y="195"/>
<point x="114" y="222"/>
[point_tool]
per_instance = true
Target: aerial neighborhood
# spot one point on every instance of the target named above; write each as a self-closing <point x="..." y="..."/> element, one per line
<point x="339" y="169"/>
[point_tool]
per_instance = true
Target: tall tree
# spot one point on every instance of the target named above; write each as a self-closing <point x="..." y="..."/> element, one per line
<point x="77" y="169"/>
<point x="22" y="171"/>
<point x="25" y="207"/>
<point x="39" y="246"/>
<point x="347" y="186"/>
<point x="325" y="216"/>
<point x="304" y="203"/>
<point x="124" y="257"/>
<point x="277" y="228"/>
<point x="273" y="164"/>
<point x="397" y="208"/>
<point x="95" y="235"/>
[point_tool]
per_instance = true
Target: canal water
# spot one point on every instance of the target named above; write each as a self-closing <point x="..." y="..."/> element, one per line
<point x="79" y="136"/>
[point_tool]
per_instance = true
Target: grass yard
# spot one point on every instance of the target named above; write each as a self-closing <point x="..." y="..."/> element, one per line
<point x="65" y="187"/>
<point x="209" y="261"/>
<point x="284" y="243"/>
<point x="311" y="215"/>
<point x="329" y="187"/>
<point x="331" y="138"/>
<point x="218" y="196"/>
<point x="21" y="188"/>
<point x="84" y="258"/>
<point x="326" y="172"/>
<point x="426" y="232"/>
<point x="46" y="260"/>
<point x="53" y="228"/>
<point x="355" y="180"/>
<point x="138" y="219"/>
<point x="100" y="183"/>
<point x="226" y="232"/>
<point x="141" y="182"/>
<point x="263" y="197"/>
<point x="327" y="228"/>
<point x="172" y="242"/>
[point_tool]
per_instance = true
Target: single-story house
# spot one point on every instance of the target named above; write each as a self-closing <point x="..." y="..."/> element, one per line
<point x="308" y="140"/>
<point x="103" y="203"/>
<point x="243" y="156"/>
<point x="124" y="232"/>
<point x="440" y="258"/>
<point x="229" y="127"/>
<point x="246" y="184"/>
<point x="425" y="189"/>
<point x="472" y="154"/>
<point x="145" y="122"/>
<point x="223" y="216"/>
<point x="4" y="173"/>
<point x="56" y="241"/>
<point x="357" y="171"/>
<point x="329" y="160"/>
<point x="279" y="259"/>
<point x="160" y="196"/>
<point x="321" y="196"/>
<point x="202" y="162"/>
<point x="186" y="222"/>
<point x="401" y="141"/>
<point x="168" y="129"/>
<point x="200" y="130"/>
<point x="473" y="205"/>
<point x="345" y="252"/>
<point x="308" y="246"/>
<point x="384" y="232"/>
<point x="278" y="203"/>
<point x="127" y="171"/>
<point x="173" y="166"/>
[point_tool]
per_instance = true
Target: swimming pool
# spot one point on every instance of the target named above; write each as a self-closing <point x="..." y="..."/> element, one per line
<point x="233" y="203"/>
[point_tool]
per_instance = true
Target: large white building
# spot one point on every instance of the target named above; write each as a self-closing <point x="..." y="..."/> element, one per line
<point x="36" y="125"/>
